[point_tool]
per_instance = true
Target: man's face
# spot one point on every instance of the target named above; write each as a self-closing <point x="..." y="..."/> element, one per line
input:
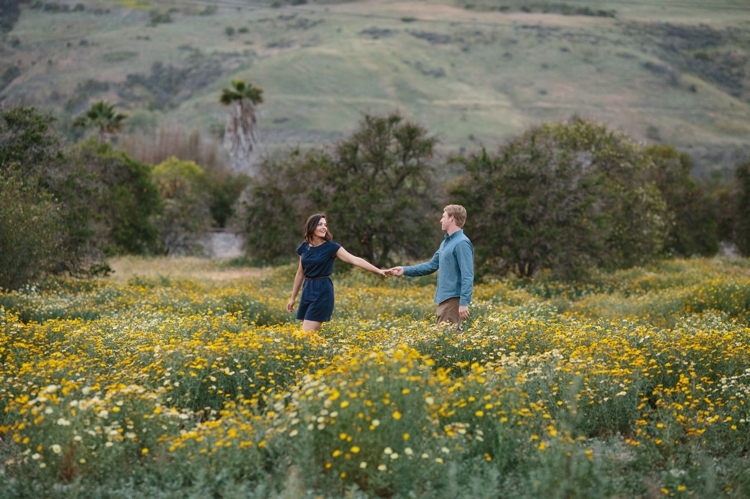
<point x="445" y="222"/>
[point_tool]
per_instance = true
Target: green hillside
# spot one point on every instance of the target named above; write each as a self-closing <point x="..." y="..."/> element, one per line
<point x="474" y="71"/>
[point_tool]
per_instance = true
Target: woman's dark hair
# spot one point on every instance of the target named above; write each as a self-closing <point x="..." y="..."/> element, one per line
<point x="312" y="224"/>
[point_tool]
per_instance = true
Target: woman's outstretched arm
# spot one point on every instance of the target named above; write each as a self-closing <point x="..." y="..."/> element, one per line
<point x="299" y="277"/>
<point x="347" y="257"/>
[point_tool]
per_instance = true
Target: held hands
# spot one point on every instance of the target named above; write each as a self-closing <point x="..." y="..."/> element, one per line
<point x="397" y="271"/>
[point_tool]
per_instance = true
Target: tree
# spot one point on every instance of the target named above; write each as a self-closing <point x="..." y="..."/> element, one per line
<point x="124" y="197"/>
<point x="282" y="194"/>
<point x="742" y="210"/>
<point x="562" y="196"/>
<point x="383" y="202"/>
<point x="375" y="186"/>
<point x="531" y="206"/>
<point x="241" y="134"/>
<point x="101" y="116"/>
<point x="184" y="216"/>
<point x="225" y="190"/>
<point x="27" y="142"/>
<point x="62" y="210"/>
<point x="31" y="153"/>
<point x="694" y="228"/>
<point x="30" y="231"/>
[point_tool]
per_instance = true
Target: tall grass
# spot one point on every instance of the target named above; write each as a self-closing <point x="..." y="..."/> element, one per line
<point x="173" y="140"/>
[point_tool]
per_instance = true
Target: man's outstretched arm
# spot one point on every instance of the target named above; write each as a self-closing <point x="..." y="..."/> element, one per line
<point x="418" y="270"/>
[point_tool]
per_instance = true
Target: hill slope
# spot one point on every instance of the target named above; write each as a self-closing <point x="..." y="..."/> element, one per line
<point x="662" y="71"/>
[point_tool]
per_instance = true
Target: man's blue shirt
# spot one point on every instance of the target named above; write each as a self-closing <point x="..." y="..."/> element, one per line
<point x="455" y="259"/>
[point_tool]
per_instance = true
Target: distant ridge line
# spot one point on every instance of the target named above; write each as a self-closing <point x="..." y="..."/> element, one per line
<point x="657" y="3"/>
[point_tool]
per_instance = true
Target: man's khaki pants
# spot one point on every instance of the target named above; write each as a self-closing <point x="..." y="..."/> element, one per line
<point x="447" y="312"/>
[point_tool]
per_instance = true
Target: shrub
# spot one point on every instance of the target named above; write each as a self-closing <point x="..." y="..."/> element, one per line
<point x="158" y="17"/>
<point x="563" y="196"/>
<point x="30" y="151"/>
<point x="185" y="215"/>
<point x="742" y="210"/>
<point x="695" y="224"/>
<point x="277" y="201"/>
<point x="8" y="76"/>
<point x="376" y="187"/>
<point x="127" y="197"/>
<point x="229" y="31"/>
<point x="29" y="232"/>
<point x="27" y="142"/>
<point x="225" y="190"/>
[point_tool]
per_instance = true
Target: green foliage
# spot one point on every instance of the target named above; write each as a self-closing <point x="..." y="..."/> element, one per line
<point x="30" y="228"/>
<point x="30" y="152"/>
<point x="156" y="16"/>
<point x="26" y="140"/>
<point x="742" y="210"/>
<point x="8" y="76"/>
<point x="695" y="221"/>
<point x="225" y="191"/>
<point x="103" y="117"/>
<point x="11" y="11"/>
<point x="279" y="198"/>
<point x="241" y="91"/>
<point x="127" y="197"/>
<point x="564" y="197"/>
<point x="382" y="200"/>
<point x="185" y="215"/>
<point x="118" y="56"/>
<point x="375" y="186"/>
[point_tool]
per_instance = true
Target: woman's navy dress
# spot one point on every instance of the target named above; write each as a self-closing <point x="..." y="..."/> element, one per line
<point x="316" y="303"/>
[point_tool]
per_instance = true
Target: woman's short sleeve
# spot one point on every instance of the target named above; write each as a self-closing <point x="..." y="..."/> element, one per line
<point x="301" y="248"/>
<point x="334" y="247"/>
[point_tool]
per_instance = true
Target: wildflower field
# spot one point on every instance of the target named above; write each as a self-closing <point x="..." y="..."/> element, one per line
<point x="631" y="384"/>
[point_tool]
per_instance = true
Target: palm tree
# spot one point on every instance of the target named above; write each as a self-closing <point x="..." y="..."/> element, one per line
<point x="241" y="133"/>
<point x="102" y="116"/>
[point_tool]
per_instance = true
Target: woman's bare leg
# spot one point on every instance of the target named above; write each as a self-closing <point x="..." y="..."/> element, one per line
<point x="311" y="325"/>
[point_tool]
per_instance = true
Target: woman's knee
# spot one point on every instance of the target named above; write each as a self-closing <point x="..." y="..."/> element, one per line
<point x="310" y="325"/>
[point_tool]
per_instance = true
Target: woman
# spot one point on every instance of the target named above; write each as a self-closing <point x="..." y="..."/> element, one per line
<point x="316" y="256"/>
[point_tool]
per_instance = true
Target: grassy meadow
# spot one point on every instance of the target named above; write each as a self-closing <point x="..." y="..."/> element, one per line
<point x="472" y="72"/>
<point x="183" y="378"/>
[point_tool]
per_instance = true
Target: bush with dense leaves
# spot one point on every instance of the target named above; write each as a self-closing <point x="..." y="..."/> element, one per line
<point x="562" y="196"/>
<point x="29" y="232"/>
<point x="125" y="197"/>
<point x="376" y="187"/>
<point x="185" y="214"/>
<point x="694" y="206"/>
<point x="742" y="210"/>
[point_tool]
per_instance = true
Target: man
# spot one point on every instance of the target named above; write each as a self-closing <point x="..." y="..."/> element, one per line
<point x="455" y="259"/>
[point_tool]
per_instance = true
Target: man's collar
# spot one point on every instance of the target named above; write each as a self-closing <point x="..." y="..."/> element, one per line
<point x="451" y="236"/>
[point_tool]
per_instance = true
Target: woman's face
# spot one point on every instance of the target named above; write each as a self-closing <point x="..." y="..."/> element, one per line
<point x="322" y="229"/>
